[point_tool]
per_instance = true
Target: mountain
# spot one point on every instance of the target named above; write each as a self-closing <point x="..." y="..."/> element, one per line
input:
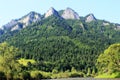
<point x="60" y="43"/>
<point x="50" y="12"/>
<point x="10" y="24"/>
<point x="26" y="20"/>
<point x="90" y="17"/>
<point x="70" y="14"/>
<point x="30" y="18"/>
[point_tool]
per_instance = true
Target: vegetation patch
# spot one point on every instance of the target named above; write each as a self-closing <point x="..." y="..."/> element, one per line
<point x="25" y="62"/>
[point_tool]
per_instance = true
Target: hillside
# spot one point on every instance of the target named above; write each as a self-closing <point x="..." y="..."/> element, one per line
<point x="62" y="41"/>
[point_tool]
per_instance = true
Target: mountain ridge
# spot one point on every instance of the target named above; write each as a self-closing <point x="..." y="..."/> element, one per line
<point x="17" y="24"/>
<point x="50" y="12"/>
<point x="90" y="17"/>
<point x="70" y="14"/>
<point x="32" y="17"/>
<point x="62" y="44"/>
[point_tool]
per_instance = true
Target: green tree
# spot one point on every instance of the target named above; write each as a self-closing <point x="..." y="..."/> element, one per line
<point x="8" y="63"/>
<point x="109" y="61"/>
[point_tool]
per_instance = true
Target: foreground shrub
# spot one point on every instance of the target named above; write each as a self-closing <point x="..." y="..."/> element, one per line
<point x="76" y="75"/>
<point x="36" y="75"/>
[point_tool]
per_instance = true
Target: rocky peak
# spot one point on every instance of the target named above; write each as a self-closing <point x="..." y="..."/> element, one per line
<point x="30" y="18"/>
<point x="117" y="27"/>
<point x="9" y="24"/>
<point x="50" y="12"/>
<point x="90" y="17"/>
<point x="22" y="22"/>
<point x="18" y="26"/>
<point x="70" y="14"/>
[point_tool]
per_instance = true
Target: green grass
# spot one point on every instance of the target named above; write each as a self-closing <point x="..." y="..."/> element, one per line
<point x="105" y="75"/>
<point x="25" y="61"/>
<point x="58" y="75"/>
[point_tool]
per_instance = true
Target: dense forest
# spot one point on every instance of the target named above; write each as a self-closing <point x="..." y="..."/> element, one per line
<point x="57" y="46"/>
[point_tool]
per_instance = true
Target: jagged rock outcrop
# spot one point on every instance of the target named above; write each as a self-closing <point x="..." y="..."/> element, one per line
<point x="10" y="24"/>
<point x="51" y="12"/>
<point x="90" y="17"/>
<point x="22" y="22"/>
<point x="118" y="27"/>
<point x="30" y="18"/>
<point x="18" y="26"/>
<point x="70" y="14"/>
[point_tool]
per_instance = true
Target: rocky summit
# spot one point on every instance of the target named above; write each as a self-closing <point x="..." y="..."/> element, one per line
<point x="90" y="17"/>
<point x="50" y="12"/>
<point x="30" y="18"/>
<point x="70" y="14"/>
<point x="22" y="22"/>
<point x="10" y="24"/>
<point x="33" y="17"/>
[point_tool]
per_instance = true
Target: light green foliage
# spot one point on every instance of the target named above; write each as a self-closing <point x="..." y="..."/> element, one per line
<point x="54" y="71"/>
<point x="8" y="63"/>
<point x="106" y="75"/>
<point x="25" y="62"/>
<point x="36" y="75"/>
<point x="88" y="72"/>
<point x="73" y="70"/>
<point x="109" y="61"/>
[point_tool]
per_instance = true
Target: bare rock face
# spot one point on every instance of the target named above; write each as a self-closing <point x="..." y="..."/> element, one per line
<point x="30" y="18"/>
<point x="51" y="12"/>
<point x="22" y="22"/>
<point x="10" y="24"/>
<point x="90" y="18"/>
<point x="17" y="27"/>
<point x="117" y="27"/>
<point x="70" y="14"/>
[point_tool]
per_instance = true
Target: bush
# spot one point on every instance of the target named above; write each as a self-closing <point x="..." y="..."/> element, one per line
<point x="54" y="71"/>
<point x="117" y="75"/>
<point x="36" y="75"/>
<point x="76" y="75"/>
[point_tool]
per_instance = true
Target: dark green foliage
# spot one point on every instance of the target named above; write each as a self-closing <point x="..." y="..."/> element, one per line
<point x="58" y="44"/>
<point x="25" y="75"/>
<point x="2" y="75"/>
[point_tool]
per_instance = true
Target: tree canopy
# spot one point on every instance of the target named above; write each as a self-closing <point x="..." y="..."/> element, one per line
<point x="8" y="63"/>
<point x="109" y="61"/>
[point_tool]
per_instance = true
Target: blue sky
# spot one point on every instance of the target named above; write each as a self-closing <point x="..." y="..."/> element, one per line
<point x="102" y="9"/>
